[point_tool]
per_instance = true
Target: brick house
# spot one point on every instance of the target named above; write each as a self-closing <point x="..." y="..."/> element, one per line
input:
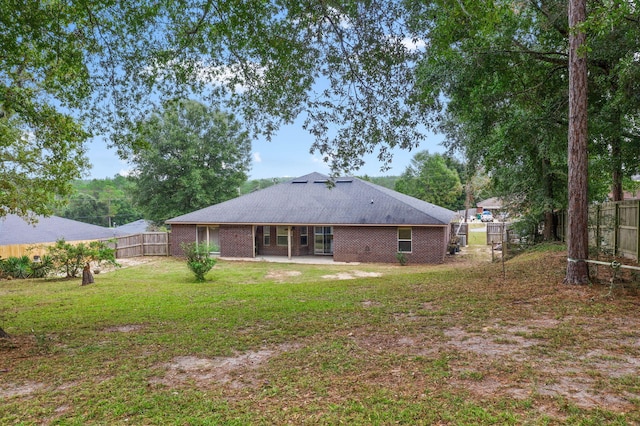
<point x="352" y="220"/>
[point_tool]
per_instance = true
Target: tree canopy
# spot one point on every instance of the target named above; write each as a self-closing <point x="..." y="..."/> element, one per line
<point x="104" y="202"/>
<point x="497" y="76"/>
<point x="194" y="157"/>
<point x="429" y="178"/>
<point x="77" y="69"/>
<point x="43" y="76"/>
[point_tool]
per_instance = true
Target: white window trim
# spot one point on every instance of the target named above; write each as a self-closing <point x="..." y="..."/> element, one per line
<point x="410" y="239"/>
<point x="282" y="231"/>
<point x="266" y="235"/>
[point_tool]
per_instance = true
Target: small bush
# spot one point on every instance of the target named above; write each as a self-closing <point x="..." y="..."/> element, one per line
<point x="198" y="259"/>
<point x="41" y="268"/>
<point x="16" y="267"/>
<point x="23" y="267"/>
<point x="69" y="259"/>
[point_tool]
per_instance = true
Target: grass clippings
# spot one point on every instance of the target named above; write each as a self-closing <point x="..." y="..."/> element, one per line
<point x="465" y="342"/>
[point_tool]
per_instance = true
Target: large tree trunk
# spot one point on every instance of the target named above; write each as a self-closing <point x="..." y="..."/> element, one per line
<point x="578" y="238"/>
<point x="468" y="199"/>
<point x="550" y="222"/>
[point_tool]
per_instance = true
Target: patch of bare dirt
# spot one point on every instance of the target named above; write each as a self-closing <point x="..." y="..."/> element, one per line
<point x="9" y="390"/>
<point x="127" y="328"/>
<point x="470" y="255"/>
<point x="126" y="263"/>
<point x="578" y="378"/>
<point x="488" y="344"/>
<point x="238" y="371"/>
<point x="502" y="360"/>
<point x="281" y="276"/>
<point x="351" y="275"/>
<point x="371" y="304"/>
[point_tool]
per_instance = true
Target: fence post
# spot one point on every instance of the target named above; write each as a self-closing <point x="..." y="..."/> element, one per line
<point x="638" y="231"/>
<point x="616" y="224"/>
<point x="598" y="246"/>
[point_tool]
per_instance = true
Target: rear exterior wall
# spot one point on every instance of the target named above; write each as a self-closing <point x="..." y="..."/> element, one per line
<point x="181" y="234"/>
<point x="380" y="244"/>
<point x="235" y="240"/>
<point x="373" y="244"/>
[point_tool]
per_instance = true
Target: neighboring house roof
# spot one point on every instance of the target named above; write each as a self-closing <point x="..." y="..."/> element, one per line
<point x="135" y="227"/>
<point x="469" y="212"/>
<point x="494" y="203"/>
<point x="308" y="200"/>
<point x="15" y="230"/>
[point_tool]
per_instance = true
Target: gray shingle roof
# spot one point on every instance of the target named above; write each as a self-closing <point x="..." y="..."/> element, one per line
<point x="136" y="227"/>
<point x="308" y="200"/>
<point x="14" y="230"/>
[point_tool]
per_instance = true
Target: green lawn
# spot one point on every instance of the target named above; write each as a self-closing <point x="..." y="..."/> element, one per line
<point x="266" y="343"/>
<point x="475" y="237"/>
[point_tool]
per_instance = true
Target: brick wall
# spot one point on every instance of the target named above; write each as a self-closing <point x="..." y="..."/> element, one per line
<point x="380" y="244"/>
<point x="350" y="243"/>
<point x="236" y="241"/>
<point x="181" y="234"/>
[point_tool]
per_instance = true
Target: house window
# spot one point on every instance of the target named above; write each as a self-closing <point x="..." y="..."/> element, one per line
<point x="209" y="235"/>
<point x="304" y="236"/>
<point x="404" y="240"/>
<point x="266" y="235"/>
<point x="282" y="237"/>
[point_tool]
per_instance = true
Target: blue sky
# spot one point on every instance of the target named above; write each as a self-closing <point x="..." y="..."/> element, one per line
<point x="287" y="155"/>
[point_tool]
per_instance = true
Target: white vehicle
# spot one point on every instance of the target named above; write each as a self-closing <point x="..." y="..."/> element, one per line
<point x="487" y="216"/>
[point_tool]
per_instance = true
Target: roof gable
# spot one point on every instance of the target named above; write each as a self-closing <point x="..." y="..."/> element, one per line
<point x="310" y="199"/>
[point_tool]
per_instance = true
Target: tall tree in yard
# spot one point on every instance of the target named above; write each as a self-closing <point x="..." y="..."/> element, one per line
<point x="429" y="178"/>
<point x="194" y="157"/>
<point x="503" y="70"/>
<point x="578" y="238"/>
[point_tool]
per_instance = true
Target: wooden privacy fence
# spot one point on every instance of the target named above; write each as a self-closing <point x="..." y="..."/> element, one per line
<point x="145" y="244"/>
<point x="31" y="249"/>
<point x="613" y="228"/>
<point x="460" y="229"/>
<point x="497" y="232"/>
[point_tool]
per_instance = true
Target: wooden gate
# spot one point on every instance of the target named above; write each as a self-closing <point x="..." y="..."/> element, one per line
<point x="497" y="232"/>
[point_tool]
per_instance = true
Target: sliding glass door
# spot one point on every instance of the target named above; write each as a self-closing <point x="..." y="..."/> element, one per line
<point x="323" y="240"/>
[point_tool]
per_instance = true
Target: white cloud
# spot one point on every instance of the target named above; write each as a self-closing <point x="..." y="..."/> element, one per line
<point x="257" y="158"/>
<point x="227" y="75"/>
<point x="414" y="44"/>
